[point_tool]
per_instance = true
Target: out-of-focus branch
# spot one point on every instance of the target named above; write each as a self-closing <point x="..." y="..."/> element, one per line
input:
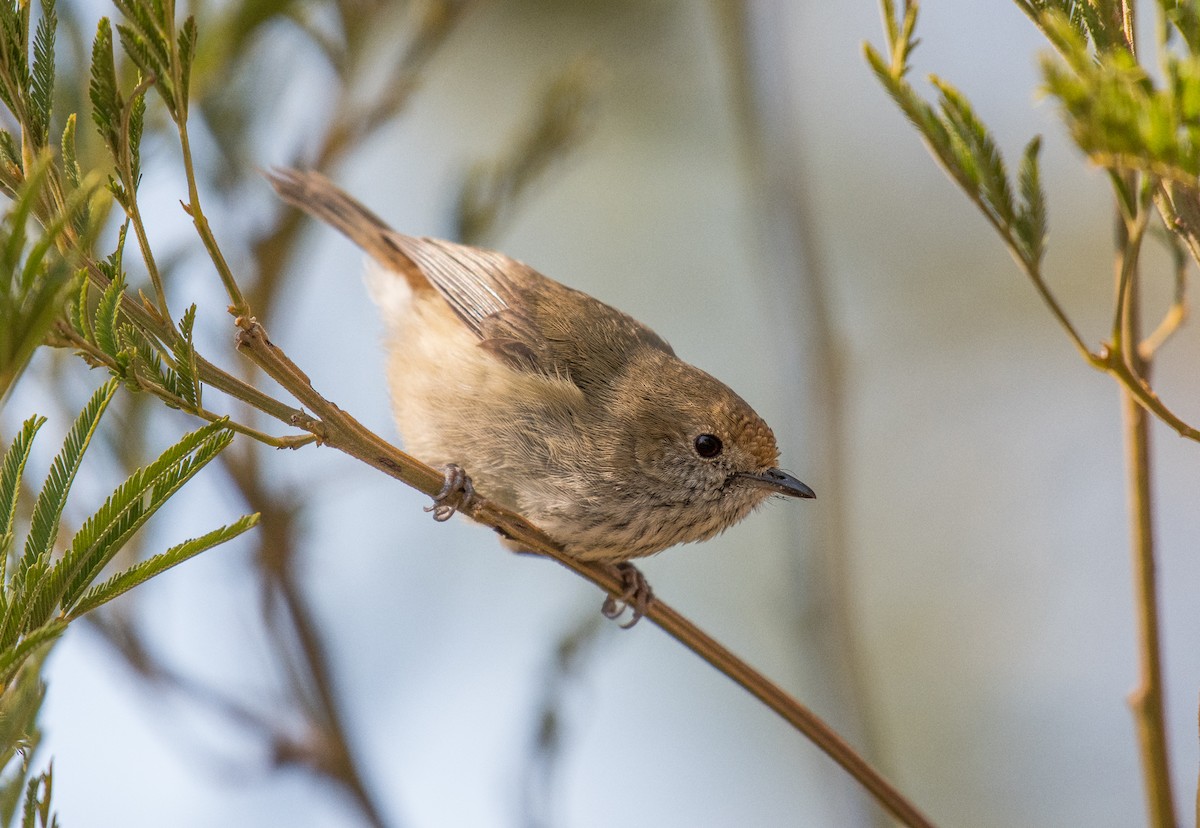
<point x="560" y="121"/>
<point x="574" y="651"/>
<point x="786" y="237"/>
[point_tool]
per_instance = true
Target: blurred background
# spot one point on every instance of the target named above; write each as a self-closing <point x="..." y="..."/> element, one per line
<point x="957" y="600"/>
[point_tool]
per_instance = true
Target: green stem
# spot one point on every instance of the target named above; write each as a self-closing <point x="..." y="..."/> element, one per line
<point x="65" y="336"/>
<point x="1132" y="232"/>
<point x="238" y="306"/>
<point x="1146" y="700"/>
<point x="132" y="209"/>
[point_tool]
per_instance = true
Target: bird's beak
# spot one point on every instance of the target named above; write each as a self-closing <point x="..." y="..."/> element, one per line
<point x="779" y="482"/>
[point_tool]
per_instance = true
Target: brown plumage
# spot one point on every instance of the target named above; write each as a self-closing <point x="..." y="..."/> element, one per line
<point x="556" y="405"/>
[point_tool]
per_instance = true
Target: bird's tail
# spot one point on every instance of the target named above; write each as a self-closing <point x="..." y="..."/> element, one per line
<point x="321" y="198"/>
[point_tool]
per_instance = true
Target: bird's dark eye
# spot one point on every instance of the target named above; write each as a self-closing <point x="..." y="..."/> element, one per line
<point x="708" y="445"/>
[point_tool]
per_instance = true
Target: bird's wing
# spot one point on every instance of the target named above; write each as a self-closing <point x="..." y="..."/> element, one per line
<point x="527" y="320"/>
<point x="523" y="318"/>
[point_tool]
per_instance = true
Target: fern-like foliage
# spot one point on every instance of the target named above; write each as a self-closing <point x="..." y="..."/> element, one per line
<point x="47" y="511"/>
<point x="132" y="504"/>
<point x="141" y="572"/>
<point x="107" y="103"/>
<point x="41" y="81"/>
<point x="963" y="144"/>
<point x="44" y="592"/>
<point x="1115" y="111"/>
<point x="37" y="812"/>
<point x="34" y="280"/>
<point x="11" y="470"/>
<point x="20" y="701"/>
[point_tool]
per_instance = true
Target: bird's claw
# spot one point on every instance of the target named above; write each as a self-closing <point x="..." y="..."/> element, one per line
<point x="635" y="594"/>
<point x="456" y="493"/>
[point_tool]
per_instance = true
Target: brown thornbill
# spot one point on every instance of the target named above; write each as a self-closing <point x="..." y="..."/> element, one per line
<point x="559" y="407"/>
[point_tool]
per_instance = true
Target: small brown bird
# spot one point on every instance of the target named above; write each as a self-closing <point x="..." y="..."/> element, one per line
<point x="560" y="407"/>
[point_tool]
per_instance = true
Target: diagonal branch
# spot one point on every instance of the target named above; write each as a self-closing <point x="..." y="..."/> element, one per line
<point x="339" y="430"/>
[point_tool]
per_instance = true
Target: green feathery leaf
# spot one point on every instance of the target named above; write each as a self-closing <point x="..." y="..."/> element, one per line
<point x="917" y="111"/>
<point x="983" y="158"/>
<point x="29" y="577"/>
<point x="34" y="280"/>
<point x="113" y="266"/>
<point x="14" y="58"/>
<point x="107" y="531"/>
<point x="891" y="27"/>
<point x="37" y="812"/>
<point x="70" y="162"/>
<point x="13" y="656"/>
<point x="148" y="21"/>
<point x="184" y="352"/>
<point x="144" y="357"/>
<point x="133" y="502"/>
<point x="147" y="569"/>
<point x="41" y="585"/>
<point x="80" y="318"/>
<point x="137" y="117"/>
<point x="11" y="470"/>
<point x="20" y="702"/>
<point x="1031" y="217"/>
<point x="107" y="103"/>
<point x="187" y="51"/>
<point x="11" y="155"/>
<point x="18" y="217"/>
<point x="47" y="510"/>
<point x="144" y="56"/>
<point x="41" y="87"/>
<point x="106" y="316"/>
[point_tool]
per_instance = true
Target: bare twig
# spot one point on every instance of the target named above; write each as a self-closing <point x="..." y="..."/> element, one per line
<point x="1177" y="312"/>
<point x="1146" y="700"/>
<point x="555" y="127"/>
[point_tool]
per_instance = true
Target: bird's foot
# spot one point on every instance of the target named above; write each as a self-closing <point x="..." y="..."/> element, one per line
<point x="456" y="493"/>
<point x="635" y="594"/>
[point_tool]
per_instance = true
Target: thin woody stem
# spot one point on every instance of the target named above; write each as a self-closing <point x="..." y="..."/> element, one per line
<point x="1146" y="700"/>
<point x="193" y="209"/>
<point x="148" y="318"/>
<point x="339" y="430"/>
<point x="1132" y="232"/>
<point x="1111" y="360"/>
<point x="64" y="335"/>
<point x="133" y="211"/>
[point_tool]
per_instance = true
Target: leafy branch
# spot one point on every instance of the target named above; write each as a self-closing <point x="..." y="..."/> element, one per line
<point x="1146" y="136"/>
<point x="41" y="592"/>
<point x="966" y="150"/>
